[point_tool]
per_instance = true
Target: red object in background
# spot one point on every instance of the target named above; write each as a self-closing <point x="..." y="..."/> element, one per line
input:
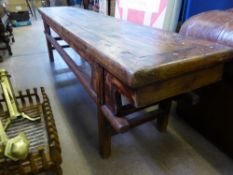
<point x="137" y="11"/>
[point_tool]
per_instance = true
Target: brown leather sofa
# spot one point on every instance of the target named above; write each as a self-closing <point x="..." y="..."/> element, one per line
<point x="215" y="26"/>
<point x="212" y="116"/>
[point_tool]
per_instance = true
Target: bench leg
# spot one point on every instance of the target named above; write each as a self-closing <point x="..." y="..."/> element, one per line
<point x="104" y="136"/>
<point x="105" y="130"/>
<point x="9" y="49"/>
<point x="58" y="170"/>
<point x="162" y="121"/>
<point x="49" y="45"/>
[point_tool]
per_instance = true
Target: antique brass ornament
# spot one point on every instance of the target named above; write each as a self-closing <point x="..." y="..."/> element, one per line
<point x="16" y="148"/>
<point x="10" y="99"/>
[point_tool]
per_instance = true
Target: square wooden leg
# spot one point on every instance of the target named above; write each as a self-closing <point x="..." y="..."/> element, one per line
<point x="49" y="45"/>
<point x="104" y="136"/>
<point x="162" y="121"/>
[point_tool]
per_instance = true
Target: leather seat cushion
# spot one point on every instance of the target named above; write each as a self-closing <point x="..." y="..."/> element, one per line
<point x="214" y="26"/>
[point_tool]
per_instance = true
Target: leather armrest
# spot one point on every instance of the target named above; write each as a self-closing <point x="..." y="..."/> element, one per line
<point x="214" y="26"/>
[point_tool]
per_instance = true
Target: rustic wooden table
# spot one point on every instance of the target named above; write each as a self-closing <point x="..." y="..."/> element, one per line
<point x="132" y="67"/>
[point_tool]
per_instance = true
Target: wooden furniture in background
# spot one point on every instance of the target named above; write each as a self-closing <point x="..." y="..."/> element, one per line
<point x="6" y="31"/>
<point x="132" y="67"/>
<point x="45" y="151"/>
<point x="32" y="8"/>
<point x="87" y="2"/>
<point x="45" y="3"/>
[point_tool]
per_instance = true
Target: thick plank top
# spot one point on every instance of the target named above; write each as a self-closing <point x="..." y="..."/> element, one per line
<point x="135" y="54"/>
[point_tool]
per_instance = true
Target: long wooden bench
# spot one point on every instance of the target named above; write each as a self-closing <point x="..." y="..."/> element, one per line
<point x="132" y="67"/>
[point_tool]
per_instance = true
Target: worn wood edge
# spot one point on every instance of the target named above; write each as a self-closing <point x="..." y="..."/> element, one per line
<point x="186" y="66"/>
<point x="176" y="86"/>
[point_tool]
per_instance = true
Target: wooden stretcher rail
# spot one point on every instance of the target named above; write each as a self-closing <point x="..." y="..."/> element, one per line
<point x="119" y="124"/>
<point x="81" y="76"/>
<point x="64" y="46"/>
<point x="122" y="124"/>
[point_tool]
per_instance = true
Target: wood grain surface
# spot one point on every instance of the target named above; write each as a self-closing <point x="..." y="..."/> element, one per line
<point x="136" y="55"/>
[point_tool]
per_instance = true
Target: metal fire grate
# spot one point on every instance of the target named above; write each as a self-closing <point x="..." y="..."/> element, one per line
<point x="45" y="151"/>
